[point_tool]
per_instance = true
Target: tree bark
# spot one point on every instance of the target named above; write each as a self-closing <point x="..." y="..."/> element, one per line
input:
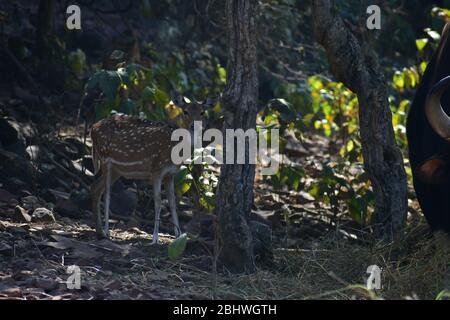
<point x="361" y="73"/>
<point x="44" y="27"/>
<point x="235" y="191"/>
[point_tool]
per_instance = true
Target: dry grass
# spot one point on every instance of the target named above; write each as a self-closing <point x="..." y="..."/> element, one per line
<point x="413" y="267"/>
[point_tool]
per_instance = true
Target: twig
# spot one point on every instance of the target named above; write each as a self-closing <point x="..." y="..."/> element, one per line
<point x="100" y="247"/>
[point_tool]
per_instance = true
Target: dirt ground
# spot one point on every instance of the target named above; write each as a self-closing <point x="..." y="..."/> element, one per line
<point x="35" y="258"/>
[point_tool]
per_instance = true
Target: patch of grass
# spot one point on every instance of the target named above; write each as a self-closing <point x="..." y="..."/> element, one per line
<point x="415" y="266"/>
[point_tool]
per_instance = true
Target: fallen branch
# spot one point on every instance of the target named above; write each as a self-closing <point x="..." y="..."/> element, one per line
<point x="66" y="171"/>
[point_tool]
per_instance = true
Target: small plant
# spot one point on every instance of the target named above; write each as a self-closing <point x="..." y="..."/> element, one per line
<point x="121" y="86"/>
<point x="177" y="247"/>
<point x="334" y="188"/>
<point x="205" y="183"/>
<point x="290" y="176"/>
<point x="444" y="295"/>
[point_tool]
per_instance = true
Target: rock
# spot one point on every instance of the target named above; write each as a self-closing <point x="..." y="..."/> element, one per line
<point x="31" y="203"/>
<point x="14" y="166"/>
<point x="123" y="201"/>
<point x="10" y="137"/>
<point x="48" y="177"/>
<point x="48" y="196"/>
<point x="7" y="197"/>
<point x="21" y="214"/>
<point x="66" y="208"/>
<point x="82" y="199"/>
<point x="6" y="249"/>
<point x="22" y="275"/>
<point x="43" y="215"/>
<point x="6" y="211"/>
<point x="46" y="284"/>
<point x="6" y="281"/>
<point x="8" y="134"/>
<point x="18" y="229"/>
<point x="17" y="186"/>
<point x="14" y="135"/>
<point x="12" y="292"/>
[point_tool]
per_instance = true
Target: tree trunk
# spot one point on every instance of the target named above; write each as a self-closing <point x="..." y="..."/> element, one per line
<point x="361" y="73"/>
<point x="235" y="191"/>
<point x="44" y="27"/>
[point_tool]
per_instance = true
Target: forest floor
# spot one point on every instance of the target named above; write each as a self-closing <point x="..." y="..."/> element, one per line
<point x="316" y="254"/>
<point x="34" y="260"/>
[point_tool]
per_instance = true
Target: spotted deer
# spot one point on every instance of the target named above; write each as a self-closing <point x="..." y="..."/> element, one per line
<point x="135" y="148"/>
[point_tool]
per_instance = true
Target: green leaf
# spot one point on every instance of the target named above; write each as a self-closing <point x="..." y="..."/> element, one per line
<point x="128" y="107"/>
<point x="77" y="61"/>
<point x="399" y="80"/>
<point x="423" y="66"/>
<point x="107" y="81"/>
<point x="136" y="73"/>
<point x="403" y="105"/>
<point x="357" y="209"/>
<point x="350" y="145"/>
<point x="222" y="74"/>
<point x="176" y="248"/>
<point x="444" y="295"/>
<point x="183" y="181"/>
<point x="315" y="83"/>
<point x="287" y="113"/>
<point x="421" y="43"/>
<point x="433" y="34"/>
<point x="148" y="95"/>
<point x="161" y="98"/>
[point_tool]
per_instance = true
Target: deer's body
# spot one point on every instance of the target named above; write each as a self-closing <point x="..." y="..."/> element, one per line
<point x="132" y="148"/>
<point x="141" y="145"/>
<point x="135" y="148"/>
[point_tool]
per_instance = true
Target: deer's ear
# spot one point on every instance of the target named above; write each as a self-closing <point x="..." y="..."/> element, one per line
<point x="178" y="99"/>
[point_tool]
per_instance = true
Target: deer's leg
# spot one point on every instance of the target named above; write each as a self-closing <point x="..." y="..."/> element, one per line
<point x="97" y="190"/>
<point x="110" y="179"/>
<point x="170" y="190"/>
<point x="157" y="200"/>
<point x="107" y="197"/>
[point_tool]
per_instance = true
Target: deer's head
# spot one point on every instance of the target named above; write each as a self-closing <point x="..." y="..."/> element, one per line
<point x="191" y="110"/>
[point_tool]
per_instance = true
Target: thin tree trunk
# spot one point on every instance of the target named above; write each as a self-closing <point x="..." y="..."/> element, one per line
<point x="44" y="27"/>
<point x="361" y="73"/>
<point x="235" y="190"/>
